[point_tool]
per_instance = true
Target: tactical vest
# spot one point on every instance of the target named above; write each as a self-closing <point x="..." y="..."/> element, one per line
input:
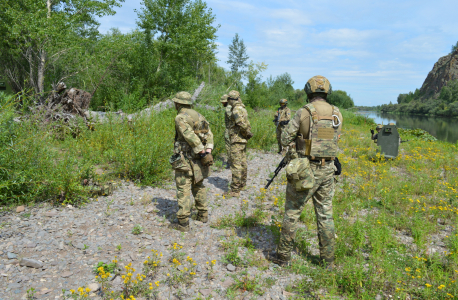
<point x="199" y="125"/>
<point x="323" y="135"/>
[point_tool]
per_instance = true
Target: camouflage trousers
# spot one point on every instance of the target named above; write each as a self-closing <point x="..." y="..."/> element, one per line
<point x="279" y="131"/>
<point x="239" y="167"/>
<point x="185" y="185"/>
<point x="228" y="149"/>
<point x="321" y="194"/>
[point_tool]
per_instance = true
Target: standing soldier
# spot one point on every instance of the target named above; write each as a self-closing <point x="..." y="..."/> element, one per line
<point x="227" y="116"/>
<point x="191" y="160"/>
<point x="313" y="135"/>
<point x="239" y="129"/>
<point x="282" y="117"/>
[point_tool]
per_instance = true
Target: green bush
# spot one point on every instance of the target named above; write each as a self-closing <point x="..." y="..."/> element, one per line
<point x="341" y="99"/>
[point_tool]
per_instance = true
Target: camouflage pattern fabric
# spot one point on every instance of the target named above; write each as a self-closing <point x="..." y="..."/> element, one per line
<point x="239" y="167"/>
<point x="193" y="135"/>
<point x="284" y="114"/>
<point x="185" y="185"/>
<point x="190" y="137"/>
<point x="227" y="139"/>
<point x="321" y="194"/>
<point x="238" y="123"/>
<point x="279" y="131"/>
<point x="324" y="136"/>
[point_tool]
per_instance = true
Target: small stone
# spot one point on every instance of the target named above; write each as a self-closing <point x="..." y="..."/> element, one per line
<point x="148" y="237"/>
<point x="30" y="245"/>
<point x="20" y="209"/>
<point x="205" y="292"/>
<point x="66" y="274"/>
<point x="79" y="246"/>
<point x="44" y="291"/>
<point x="94" y="287"/>
<point x="150" y="209"/>
<point x="11" y="255"/>
<point x="227" y="283"/>
<point x="50" y="214"/>
<point x="33" y="263"/>
<point x="230" y="268"/>
<point x="288" y="294"/>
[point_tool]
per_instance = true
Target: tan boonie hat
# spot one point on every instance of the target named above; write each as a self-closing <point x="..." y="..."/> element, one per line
<point x="379" y="126"/>
<point x="234" y="95"/>
<point x="318" y="84"/>
<point x="224" y="98"/>
<point x="183" y="98"/>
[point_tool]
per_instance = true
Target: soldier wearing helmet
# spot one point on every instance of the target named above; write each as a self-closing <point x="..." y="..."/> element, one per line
<point x="312" y="135"/>
<point x="227" y="115"/>
<point x="239" y="130"/>
<point x="281" y="119"/>
<point x="374" y="137"/>
<point x="191" y="160"/>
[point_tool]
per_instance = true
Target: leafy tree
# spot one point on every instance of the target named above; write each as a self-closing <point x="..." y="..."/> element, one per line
<point x="340" y="99"/>
<point x="35" y="35"/>
<point x="454" y="47"/>
<point x="237" y="54"/>
<point x="180" y="35"/>
<point x="255" y="89"/>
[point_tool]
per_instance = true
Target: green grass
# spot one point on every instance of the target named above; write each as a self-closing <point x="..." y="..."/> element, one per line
<point x="39" y="165"/>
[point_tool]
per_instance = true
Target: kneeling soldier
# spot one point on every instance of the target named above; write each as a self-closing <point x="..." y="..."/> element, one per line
<point x="191" y="160"/>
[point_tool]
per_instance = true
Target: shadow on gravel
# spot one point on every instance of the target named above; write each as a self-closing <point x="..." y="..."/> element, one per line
<point x="166" y="207"/>
<point x="218" y="182"/>
<point x="265" y="241"/>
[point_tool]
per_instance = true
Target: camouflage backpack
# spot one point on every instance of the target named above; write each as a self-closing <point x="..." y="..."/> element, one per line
<point x="323" y="134"/>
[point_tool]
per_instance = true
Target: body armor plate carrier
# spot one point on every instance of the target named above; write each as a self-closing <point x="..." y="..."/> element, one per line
<point x="323" y="135"/>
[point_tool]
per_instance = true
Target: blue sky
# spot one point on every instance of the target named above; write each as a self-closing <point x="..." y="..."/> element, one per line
<point x="374" y="50"/>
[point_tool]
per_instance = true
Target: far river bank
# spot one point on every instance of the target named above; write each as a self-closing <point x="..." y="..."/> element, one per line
<point x="444" y="129"/>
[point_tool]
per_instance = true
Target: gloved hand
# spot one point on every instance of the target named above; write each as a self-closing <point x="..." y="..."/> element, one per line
<point x="249" y="135"/>
<point x="207" y="159"/>
<point x="372" y="131"/>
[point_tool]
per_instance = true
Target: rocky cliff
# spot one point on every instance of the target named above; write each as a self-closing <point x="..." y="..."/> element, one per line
<point x="444" y="70"/>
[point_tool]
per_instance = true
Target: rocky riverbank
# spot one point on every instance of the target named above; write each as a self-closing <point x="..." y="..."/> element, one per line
<point x="52" y="249"/>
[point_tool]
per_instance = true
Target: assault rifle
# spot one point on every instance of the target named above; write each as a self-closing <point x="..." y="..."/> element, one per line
<point x="282" y="164"/>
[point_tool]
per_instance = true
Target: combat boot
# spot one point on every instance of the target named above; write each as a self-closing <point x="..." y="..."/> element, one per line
<point x="231" y="194"/>
<point x="202" y="216"/>
<point x="182" y="225"/>
<point x="281" y="260"/>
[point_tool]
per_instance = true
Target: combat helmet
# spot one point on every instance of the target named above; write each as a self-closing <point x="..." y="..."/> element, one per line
<point x="224" y="98"/>
<point x="379" y="126"/>
<point x="283" y="101"/>
<point x="318" y="84"/>
<point x="233" y="95"/>
<point x="183" y="98"/>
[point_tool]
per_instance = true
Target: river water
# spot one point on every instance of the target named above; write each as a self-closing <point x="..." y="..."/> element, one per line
<point x="445" y="129"/>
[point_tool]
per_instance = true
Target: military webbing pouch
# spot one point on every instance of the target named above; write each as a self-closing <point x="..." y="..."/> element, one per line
<point x="179" y="163"/>
<point x="299" y="173"/>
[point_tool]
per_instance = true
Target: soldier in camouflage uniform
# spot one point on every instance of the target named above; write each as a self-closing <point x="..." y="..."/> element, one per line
<point x="374" y="137"/>
<point x="191" y="160"/>
<point x="281" y="119"/>
<point x="239" y="129"/>
<point x="312" y="135"/>
<point x="227" y="115"/>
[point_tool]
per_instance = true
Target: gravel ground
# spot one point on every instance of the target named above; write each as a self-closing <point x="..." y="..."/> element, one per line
<point x="55" y="248"/>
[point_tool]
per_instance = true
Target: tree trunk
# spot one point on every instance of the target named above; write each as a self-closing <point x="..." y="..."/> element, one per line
<point x="42" y="59"/>
<point x="41" y="72"/>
